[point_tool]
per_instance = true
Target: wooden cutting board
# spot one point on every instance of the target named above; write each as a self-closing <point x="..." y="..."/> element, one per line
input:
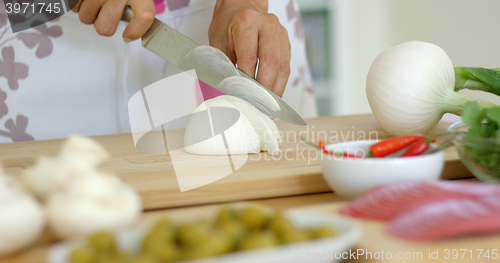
<point x="296" y="171"/>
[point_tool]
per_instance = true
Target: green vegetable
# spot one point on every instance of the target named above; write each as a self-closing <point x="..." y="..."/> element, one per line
<point x="483" y="124"/>
<point x="483" y="79"/>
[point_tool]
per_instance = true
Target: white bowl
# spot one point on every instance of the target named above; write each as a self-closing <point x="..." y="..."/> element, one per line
<point x="350" y="177"/>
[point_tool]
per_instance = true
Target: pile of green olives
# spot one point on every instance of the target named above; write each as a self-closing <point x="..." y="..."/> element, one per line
<point x="233" y="229"/>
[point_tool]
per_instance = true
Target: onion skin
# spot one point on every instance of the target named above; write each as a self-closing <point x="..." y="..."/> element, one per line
<point x="410" y="86"/>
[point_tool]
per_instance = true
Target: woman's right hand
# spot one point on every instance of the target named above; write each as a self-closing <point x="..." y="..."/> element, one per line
<point x="106" y="15"/>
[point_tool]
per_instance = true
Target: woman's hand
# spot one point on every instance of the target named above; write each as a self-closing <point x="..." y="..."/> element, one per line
<point x="106" y="14"/>
<point x="247" y="34"/>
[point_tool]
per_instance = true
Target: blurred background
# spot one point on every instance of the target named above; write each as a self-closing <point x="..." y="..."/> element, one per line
<point x="344" y="37"/>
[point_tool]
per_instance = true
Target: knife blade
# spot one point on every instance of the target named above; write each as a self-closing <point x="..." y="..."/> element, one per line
<point x="174" y="47"/>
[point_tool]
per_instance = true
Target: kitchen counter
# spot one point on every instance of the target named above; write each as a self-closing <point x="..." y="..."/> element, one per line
<point x="281" y="184"/>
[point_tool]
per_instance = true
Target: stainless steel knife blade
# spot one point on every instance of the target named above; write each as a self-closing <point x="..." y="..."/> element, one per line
<point x="174" y="47"/>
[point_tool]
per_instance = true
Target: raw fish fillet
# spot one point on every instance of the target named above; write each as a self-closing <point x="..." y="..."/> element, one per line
<point x="480" y="215"/>
<point x="388" y="201"/>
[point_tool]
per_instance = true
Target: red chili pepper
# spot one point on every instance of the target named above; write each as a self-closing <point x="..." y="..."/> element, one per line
<point x="393" y="145"/>
<point x="351" y="155"/>
<point x="321" y="145"/>
<point x="417" y="148"/>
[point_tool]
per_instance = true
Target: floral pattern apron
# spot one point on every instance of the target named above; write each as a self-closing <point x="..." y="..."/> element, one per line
<point x="62" y="78"/>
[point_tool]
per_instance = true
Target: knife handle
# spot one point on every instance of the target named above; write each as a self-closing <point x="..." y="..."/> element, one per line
<point x="127" y="14"/>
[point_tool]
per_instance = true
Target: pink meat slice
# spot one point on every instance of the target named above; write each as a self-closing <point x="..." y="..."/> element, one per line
<point x="388" y="201"/>
<point x="449" y="218"/>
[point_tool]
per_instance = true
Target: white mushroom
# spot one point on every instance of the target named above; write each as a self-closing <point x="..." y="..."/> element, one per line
<point x="79" y="156"/>
<point x="22" y="218"/>
<point x="83" y="152"/>
<point x="92" y="203"/>
<point x="49" y="174"/>
<point x="78" y="198"/>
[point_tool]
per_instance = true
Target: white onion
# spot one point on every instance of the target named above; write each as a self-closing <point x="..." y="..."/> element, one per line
<point x="410" y="86"/>
<point x="270" y="138"/>
<point x="252" y="132"/>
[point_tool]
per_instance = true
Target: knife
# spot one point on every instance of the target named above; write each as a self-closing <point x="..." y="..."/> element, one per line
<point x="174" y="47"/>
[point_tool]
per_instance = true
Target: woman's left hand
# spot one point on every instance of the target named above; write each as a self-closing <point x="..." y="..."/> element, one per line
<point x="248" y="34"/>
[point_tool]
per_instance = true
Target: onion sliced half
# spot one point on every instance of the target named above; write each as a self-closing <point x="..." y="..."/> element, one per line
<point x="250" y="132"/>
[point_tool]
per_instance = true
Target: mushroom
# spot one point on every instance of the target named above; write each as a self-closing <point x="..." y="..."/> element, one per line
<point x="22" y="218"/>
<point x="90" y="203"/>
<point x="83" y="152"/>
<point x="80" y="199"/>
<point x="79" y="155"/>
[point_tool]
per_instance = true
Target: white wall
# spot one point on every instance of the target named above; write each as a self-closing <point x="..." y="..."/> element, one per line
<point x="360" y="30"/>
<point x="468" y="30"/>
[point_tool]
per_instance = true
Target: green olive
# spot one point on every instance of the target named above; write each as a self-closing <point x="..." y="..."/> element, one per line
<point x="83" y="254"/>
<point x="261" y="239"/>
<point x="193" y="233"/>
<point x="165" y="250"/>
<point x="104" y="242"/>
<point x="293" y="235"/>
<point x="159" y="235"/>
<point x="119" y="257"/>
<point x="254" y="217"/>
<point x="153" y="239"/>
<point x="192" y="253"/>
<point x="144" y="258"/>
<point x="166" y="228"/>
<point x="235" y="229"/>
<point x="222" y="242"/>
<point x="322" y="232"/>
<point x="108" y="259"/>
<point x="217" y="243"/>
<point x="226" y="214"/>
<point x="280" y="224"/>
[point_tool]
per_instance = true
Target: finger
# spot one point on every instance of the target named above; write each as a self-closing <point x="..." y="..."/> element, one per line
<point x="245" y="35"/>
<point x="89" y="10"/>
<point x="144" y="15"/>
<point x="284" y="67"/>
<point x="269" y="52"/>
<point x="225" y="45"/>
<point x="76" y="8"/>
<point x="109" y="17"/>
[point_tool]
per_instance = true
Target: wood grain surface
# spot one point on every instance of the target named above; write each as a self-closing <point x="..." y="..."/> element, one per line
<point x="295" y="171"/>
